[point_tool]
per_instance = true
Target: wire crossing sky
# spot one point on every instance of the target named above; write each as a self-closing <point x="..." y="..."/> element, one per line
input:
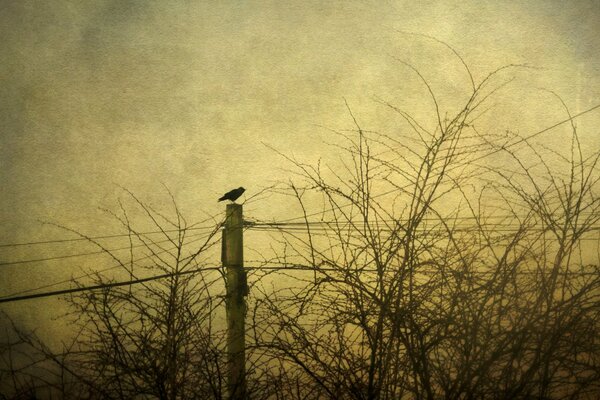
<point x="96" y="96"/>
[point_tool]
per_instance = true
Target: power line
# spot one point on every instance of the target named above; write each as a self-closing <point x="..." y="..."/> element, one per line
<point x="102" y="286"/>
<point x="531" y="136"/>
<point x="437" y="231"/>
<point x="267" y="226"/>
<point x="119" y="265"/>
<point x="361" y="222"/>
<point x="103" y="251"/>
<point x="293" y="226"/>
<point x="571" y="118"/>
<point x="81" y="238"/>
<point x="294" y="267"/>
<point x="274" y="224"/>
<point x="422" y="271"/>
<point x="342" y="225"/>
<point x="110" y="236"/>
<point x="496" y="228"/>
<point x="261" y="227"/>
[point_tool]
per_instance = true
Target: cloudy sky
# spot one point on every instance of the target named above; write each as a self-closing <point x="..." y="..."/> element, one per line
<point x="97" y="95"/>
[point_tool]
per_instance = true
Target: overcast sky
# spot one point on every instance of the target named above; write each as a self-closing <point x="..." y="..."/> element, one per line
<point x="97" y="94"/>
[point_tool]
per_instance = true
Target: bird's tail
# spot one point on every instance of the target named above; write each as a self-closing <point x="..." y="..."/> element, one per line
<point x="222" y="198"/>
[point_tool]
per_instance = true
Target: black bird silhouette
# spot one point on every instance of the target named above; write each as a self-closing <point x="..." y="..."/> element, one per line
<point x="233" y="194"/>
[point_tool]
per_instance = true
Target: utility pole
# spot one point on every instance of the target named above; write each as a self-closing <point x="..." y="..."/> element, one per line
<point x="232" y="257"/>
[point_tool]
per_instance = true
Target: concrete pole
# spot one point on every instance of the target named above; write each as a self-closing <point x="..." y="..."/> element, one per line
<point x="237" y="288"/>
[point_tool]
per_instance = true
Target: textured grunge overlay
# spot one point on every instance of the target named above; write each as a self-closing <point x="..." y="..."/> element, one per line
<point x="130" y="100"/>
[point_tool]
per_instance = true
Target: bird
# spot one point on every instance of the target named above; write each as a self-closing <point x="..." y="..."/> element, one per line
<point x="233" y="194"/>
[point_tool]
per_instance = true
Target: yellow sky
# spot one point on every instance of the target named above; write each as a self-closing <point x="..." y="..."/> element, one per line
<point x="139" y="93"/>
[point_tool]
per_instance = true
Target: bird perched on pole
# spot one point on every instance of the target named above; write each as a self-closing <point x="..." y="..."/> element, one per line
<point x="233" y="194"/>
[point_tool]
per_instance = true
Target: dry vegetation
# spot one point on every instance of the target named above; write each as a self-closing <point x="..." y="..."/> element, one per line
<point x="426" y="273"/>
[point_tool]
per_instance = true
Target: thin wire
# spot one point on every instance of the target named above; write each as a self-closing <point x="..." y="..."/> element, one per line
<point x="265" y="267"/>
<point x="17" y="262"/>
<point x="110" y="236"/>
<point x="297" y="267"/>
<point x="332" y="222"/>
<point x="252" y="226"/>
<point x="81" y="238"/>
<point x="526" y="138"/>
<point x="571" y="118"/>
<point x="97" y="272"/>
<point x="495" y="228"/>
<point x="291" y="226"/>
<point x="102" y="286"/>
